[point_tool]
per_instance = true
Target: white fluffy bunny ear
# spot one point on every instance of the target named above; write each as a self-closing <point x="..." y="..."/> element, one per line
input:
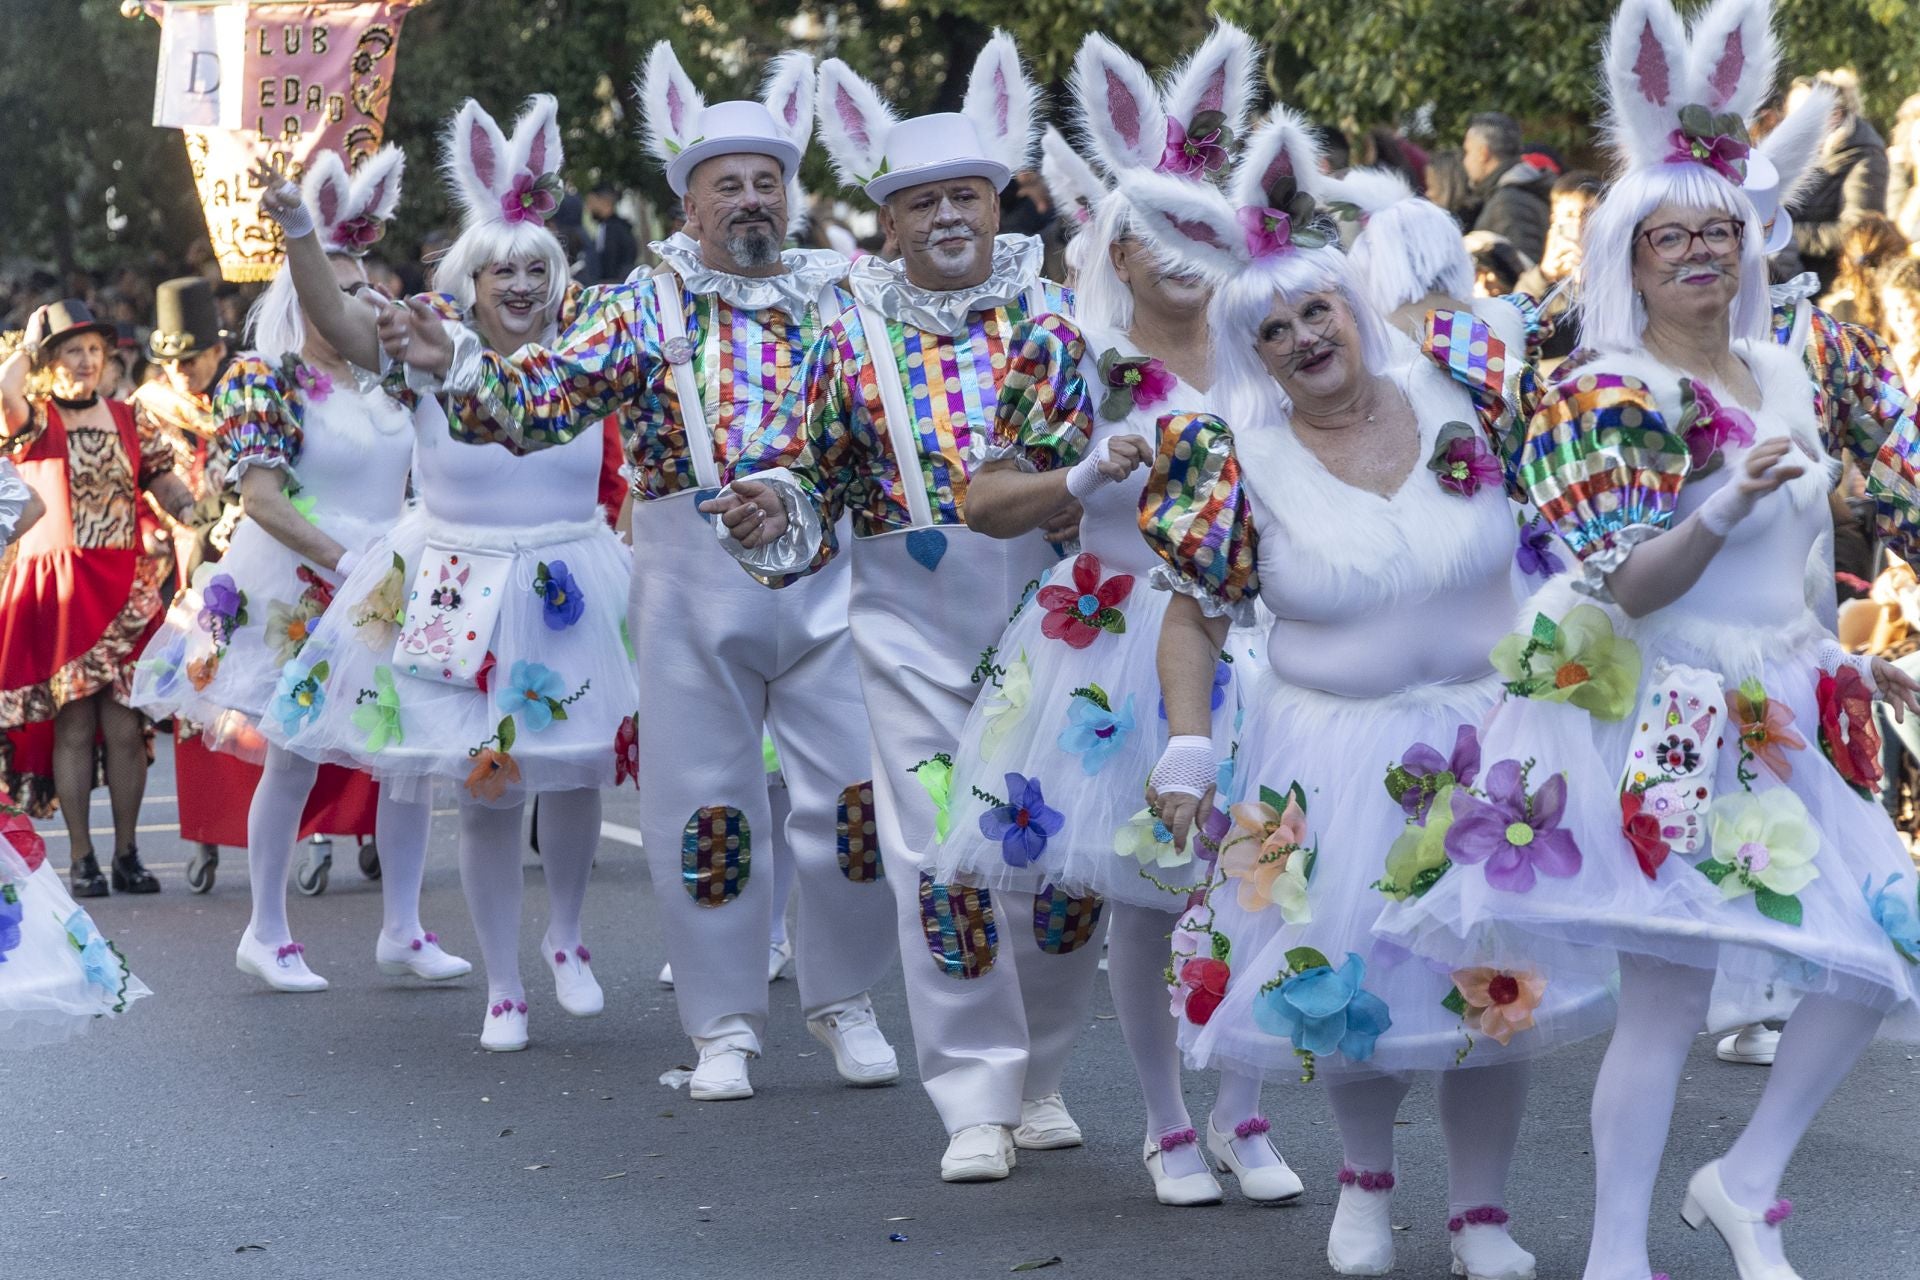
<point x="788" y="94"/>
<point x="536" y="147"/>
<point x="1191" y="225"/>
<point x="1283" y="147"/>
<point x="475" y="158"/>
<point x="1734" y="56"/>
<point x="854" y="120"/>
<point x="1070" y="180"/>
<point x="1648" y="72"/>
<point x="1001" y="102"/>
<point x="376" y="187"/>
<point x="1369" y="191"/>
<point x="1120" y="111"/>
<point x="327" y="189"/>
<point x="1218" y="76"/>
<point x="1795" y="142"/>
<point x="670" y="107"/>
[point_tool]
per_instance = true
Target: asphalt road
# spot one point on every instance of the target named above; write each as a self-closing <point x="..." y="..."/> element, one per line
<point x="221" y="1130"/>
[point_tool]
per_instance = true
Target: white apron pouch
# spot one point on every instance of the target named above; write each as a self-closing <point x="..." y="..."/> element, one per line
<point x="453" y="607"/>
<point x="1675" y="749"/>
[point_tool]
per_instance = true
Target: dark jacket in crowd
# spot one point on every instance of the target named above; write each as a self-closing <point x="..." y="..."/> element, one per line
<point x="612" y="252"/>
<point x="1848" y="180"/>
<point x="1513" y="204"/>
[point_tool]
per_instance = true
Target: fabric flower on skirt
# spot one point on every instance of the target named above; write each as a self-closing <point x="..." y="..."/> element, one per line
<point x="534" y="692"/>
<point x="1006" y="706"/>
<point x="1323" y="1011"/>
<point x="562" y="603"/>
<point x="299" y="697"/>
<point x="1765" y="728"/>
<point x="1498" y="1003"/>
<point x="20" y="835"/>
<point x="288" y="626"/>
<point x="626" y="750"/>
<point x="379" y="718"/>
<point x="223" y="607"/>
<point x="492" y="773"/>
<point x="12" y="911"/>
<point x="97" y="958"/>
<point x="1423" y="773"/>
<point x="1578" y="659"/>
<point x="1847" y="732"/>
<point x="1895" y="914"/>
<point x="376" y="619"/>
<point x="1764" y="843"/>
<point x="168" y="665"/>
<point x="1205" y="980"/>
<point x="1146" y="840"/>
<point x="1418" y="856"/>
<point x="1094" y="729"/>
<point x="1266" y="852"/>
<point x="1078" y="615"/>
<point x="1024" y="824"/>
<point x="1518" y="836"/>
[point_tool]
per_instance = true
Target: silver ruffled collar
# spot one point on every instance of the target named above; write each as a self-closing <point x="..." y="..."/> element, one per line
<point x="793" y="292"/>
<point x="884" y="286"/>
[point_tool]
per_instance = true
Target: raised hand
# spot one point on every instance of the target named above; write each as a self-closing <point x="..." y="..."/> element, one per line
<point x="1766" y="468"/>
<point x="280" y="197"/>
<point x="414" y="335"/>
<point x="751" y="512"/>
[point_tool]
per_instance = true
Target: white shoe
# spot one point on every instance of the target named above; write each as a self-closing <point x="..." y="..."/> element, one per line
<point x="721" y="1075"/>
<point x="574" y="985"/>
<point x="1188" y="1189"/>
<point x="505" y="1030"/>
<point x="279" y="967"/>
<point x="861" y="1053"/>
<point x="1707" y="1201"/>
<point x="666" y="976"/>
<point x="1265" y="1184"/>
<point x="978" y="1153"/>
<point x="421" y="957"/>
<point x="1361" y="1241"/>
<point x="1754" y="1046"/>
<point x="779" y="956"/>
<point x="1046" y="1126"/>
<point x="1482" y="1249"/>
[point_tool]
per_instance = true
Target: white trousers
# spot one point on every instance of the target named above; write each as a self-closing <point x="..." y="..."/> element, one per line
<point x="723" y="658"/>
<point x="998" y="985"/>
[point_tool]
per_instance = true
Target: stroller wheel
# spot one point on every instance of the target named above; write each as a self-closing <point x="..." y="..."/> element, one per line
<point x="311" y="876"/>
<point x="370" y="860"/>
<point x="202" y="866"/>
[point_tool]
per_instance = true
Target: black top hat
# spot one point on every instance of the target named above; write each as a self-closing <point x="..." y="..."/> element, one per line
<point x="52" y="324"/>
<point x="186" y="320"/>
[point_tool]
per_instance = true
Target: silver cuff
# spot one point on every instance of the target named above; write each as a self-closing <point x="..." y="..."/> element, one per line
<point x="986" y="449"/>
<point x="463" y="372"/>
<point x="1242" y="613"/>
<point x="241" y="466"/>
<point x="1595" y="568"/>
<point x="793" y="550"/>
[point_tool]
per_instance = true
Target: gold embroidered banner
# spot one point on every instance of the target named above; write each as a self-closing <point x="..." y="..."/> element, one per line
<point x="308" y="77"/>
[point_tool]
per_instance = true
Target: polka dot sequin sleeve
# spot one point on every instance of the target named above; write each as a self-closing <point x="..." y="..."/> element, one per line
<point x="1044" y="416"/>
<point x="1197" y="517"/>
<point x="259" y="409"/>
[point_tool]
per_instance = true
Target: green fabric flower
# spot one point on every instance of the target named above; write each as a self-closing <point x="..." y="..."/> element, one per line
<point x="1418" y="858"/>
<point x="379" y="719"/>
<point x="936" y="775"/>
<point x="1578" y="659"/>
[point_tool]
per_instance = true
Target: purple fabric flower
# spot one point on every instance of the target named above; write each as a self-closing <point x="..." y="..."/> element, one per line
<point x="1725" y="155"/>
<point x="1269" y="231"/>
<point x="1535" y="555"/>
<point x="1465" y="465"/>
<point x="1024" y="824"/>
<point x="562" y="600"/>
<point x="1191" y="157"/>
<point x="530" y="199"/>
<point x="1518" y="836"/>
<point x="1423" y="761"/>
<point x="220" y="606"/>
<point x="1714" y="426"/>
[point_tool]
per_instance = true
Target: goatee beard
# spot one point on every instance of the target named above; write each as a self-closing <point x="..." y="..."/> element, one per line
<point x="753" y="249"/>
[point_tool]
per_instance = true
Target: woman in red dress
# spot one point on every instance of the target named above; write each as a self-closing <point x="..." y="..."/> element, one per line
<point x="80" y="597"/>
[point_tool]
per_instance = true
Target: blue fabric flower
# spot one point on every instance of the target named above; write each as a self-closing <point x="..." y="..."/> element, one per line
<point x="1223" y="779"/>
<point x="1325" y="1011"/>
<point x="10" y="916"/>
<point x="1895" y="913"/>
<point x="168" y="665"/>
<point x="1094" y="733"/>
<point x="1024" y="824"/>
<point x="97" y="960"/>
<point x="533" y="691"/>
<point x="1222" y="677"/>
<point x="563" y="602"/>
<point x="299" y="696"/>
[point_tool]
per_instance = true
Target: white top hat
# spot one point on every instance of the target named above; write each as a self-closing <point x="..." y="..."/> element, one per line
<point x="682" y="130"/>
<point x="933" y="149"/>
<point x="736" y="128"/>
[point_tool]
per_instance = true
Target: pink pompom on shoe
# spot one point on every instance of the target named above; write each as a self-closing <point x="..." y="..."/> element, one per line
<point x="1486" y="1215"/>
<point x="1250" y="1126"/>
<point x="1780" y="1212"/>
<point x="1366" y="1180"/>
<point x="1178" y="1138"/>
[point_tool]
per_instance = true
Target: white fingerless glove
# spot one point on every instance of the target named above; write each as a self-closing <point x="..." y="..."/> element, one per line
<point x="1833" y="656"/>
<point x="343" y="567"/>
<point x="1085" y="476"/>
<point x="1727" y="507"/>
<point x="294" y="222"/>
<point x="1187" y="767"/>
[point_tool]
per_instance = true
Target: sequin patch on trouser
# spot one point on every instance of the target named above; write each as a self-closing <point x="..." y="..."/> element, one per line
<point x="958" y="922"/>
<point x="716" y="855"/>
<point x="859" y="845"/>
<point x="1063" y="923"/>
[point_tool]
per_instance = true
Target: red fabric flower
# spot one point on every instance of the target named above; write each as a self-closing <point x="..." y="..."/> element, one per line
<point x="626" y="751"/>
<point x="484" y="676"/>
<point x="18" y="831"/>
<point x="1079" y="615"/>
<point x="1642" y="830"/>
<point x="1206" y="983"/>
<point x="1847" y="732"/>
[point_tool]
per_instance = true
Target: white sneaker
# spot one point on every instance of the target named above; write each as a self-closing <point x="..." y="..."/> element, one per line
<point x="666" y="976"/>
<point x="1263" y="1183"/>
<point x="1361" y="1240"/>
<point x="978" y="1153"/>
<point x="861" y="1053"/>
<point x="779" y="956"/>
<point x="1046" y="1126"/>
<point x="721" y="1075"/>
<point x="1754" y="1046"/>
<point x="421" y="957"/>
<point x="574" y="985"/>
<point x="505" y="1030"/>
<point x="279" y="967"/>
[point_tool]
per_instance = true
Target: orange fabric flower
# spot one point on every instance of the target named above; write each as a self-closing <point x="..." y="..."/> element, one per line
<point x="493" y="771"/>
<point x="1260" y="855"/>
<point x="202" y="670"/>
<point x="1499" y="1003"/>
<point x="1765" y="728"/>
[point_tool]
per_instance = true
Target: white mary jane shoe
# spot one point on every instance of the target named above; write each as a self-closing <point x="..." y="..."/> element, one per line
<point x="1752" y="1046"/>
<point x="281" y="968"/>
<point x="1264" y="1184"/>
<point x="1361" y="1240"/>
<point x="666" y="976"/>
<point x="721" y="1075"/>
<point x="505" y="1030"/>
<point x="421" y="957"/>
<point x="861" y="1053"/>
<point x="1707" y="1201"/>
<point x="1188" y="1189"/>
<point x="978" y="1153"/>
<point x="574" y="985"/>
<point x="779" y="957"/>
<point x="1046" y="1126"/>
<point x="1482" y="1249"/>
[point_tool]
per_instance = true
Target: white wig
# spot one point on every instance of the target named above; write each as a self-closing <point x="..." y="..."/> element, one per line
<point x="484" y="243"/>
<point x="1100" y="297"/>
<point x="1408" y="247"/>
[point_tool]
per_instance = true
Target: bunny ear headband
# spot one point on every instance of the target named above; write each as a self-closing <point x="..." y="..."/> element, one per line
<point x="681" y="129"/>
<point x="504" y="181"/>
<point x="351" y="213"/>
<point x="1269" y="208"/>
<point x="1681" y="97"/>
<point x="1185" y="128"/>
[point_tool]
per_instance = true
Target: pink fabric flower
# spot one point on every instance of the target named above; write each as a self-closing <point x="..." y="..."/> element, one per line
<point x="1715" y="426"/>
<point x="1269" y="231"/>
<point x="1191" y="157"/>
<point x="1465" y="464"/>
<point x="530" y="199"/>
<point x="317" y="383"/>
<point x="358" y="233"/>
<point x="1147" y="380"/>
<point x="1725" y="155"/>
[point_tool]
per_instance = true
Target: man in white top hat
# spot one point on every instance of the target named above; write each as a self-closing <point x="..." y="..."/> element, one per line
<point x="690" y="357"/>
<point x="885" y="420"/>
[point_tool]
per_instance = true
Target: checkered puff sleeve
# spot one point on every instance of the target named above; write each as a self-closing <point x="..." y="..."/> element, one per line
<point x="1867" y="415"/>
<point x="1043" y="418"/>
<point x="1198" y="518"/>
<point x="259" y="409"/>
<point x="1600" y="463"/>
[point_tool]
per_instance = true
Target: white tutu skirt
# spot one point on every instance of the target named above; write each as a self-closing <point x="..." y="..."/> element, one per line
<point x="1381" y="1009"/>
<point x="1852" y="930"/>
<point x="216" y="659"/>
<point x="560" y="690"/>
<point x="1084" y="725"/>
<point x="59" y="975"/>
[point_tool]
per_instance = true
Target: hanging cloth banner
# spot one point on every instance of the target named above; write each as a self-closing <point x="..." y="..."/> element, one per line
<point x="274" y="80"/>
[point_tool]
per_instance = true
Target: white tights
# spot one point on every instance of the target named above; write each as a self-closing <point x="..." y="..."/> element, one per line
<point x="1662" y="1008"/>
<point x="273" y="830"/>
<point x="1480" y="1110"/>
<point x="490" y="854"/>
<point x="1137" y="951"/>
